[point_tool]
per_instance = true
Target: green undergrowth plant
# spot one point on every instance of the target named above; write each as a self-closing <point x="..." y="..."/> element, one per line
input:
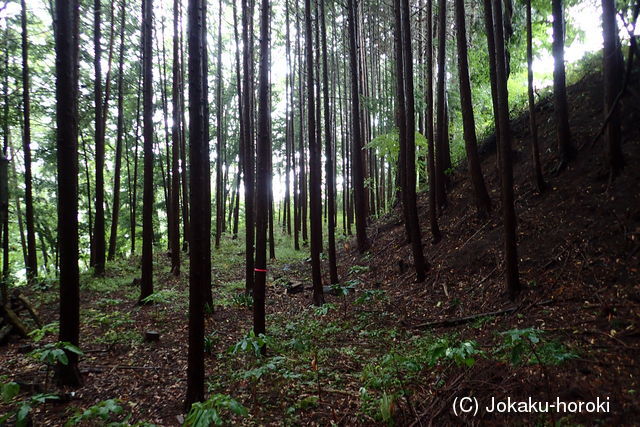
<point x="164" y="296"/>
<point x="216" y="410"/>
<point x="53" y="353"/>
<point x="102" y="411"/>
<point x="529" y="346"/>
<point x="406" y="361"/>
<point x="251" y="343"/>
<point x="49" y="329"/>
<point x="210" y="341"/>
<point x="107" y="413"/>
<point x="242" y="300"/>
<point x="324" y="309"/>
<point x="19" y="410"/>
<point x="387" y="378"/>
<point x="358" y="269"/>
<point x="370" y="296"/>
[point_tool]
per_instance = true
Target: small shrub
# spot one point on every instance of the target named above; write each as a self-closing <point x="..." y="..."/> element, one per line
<point x="102" y="410"/>
<point x="242" y="300"/>
<point x="53" y="353"/>
<point x="357" y="269"/>
<point x="38" y="334"/>
<point x="251" y="342"/>
<point x="20" y="410"/>
<point x="528" y="346"/>
<point x="214" y="411"/>
<point x="371" y="295"/>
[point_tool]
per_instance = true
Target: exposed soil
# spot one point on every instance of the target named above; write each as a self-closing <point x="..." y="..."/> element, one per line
<point x="579" y="250"/>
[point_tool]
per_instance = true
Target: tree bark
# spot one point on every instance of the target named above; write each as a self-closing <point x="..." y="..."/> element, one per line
<point x="613" y="69"/>
<point x="98" y="233"/>
<point x="566" y="150"/>
<point x="67" y="159"/>
<point x="441" y="137"/>
<point x="329" y="153"/>
<point x="263" y="182"/>
<point x="4" y="180"/>
<point x="176" y="136"/>
<point x="315" y="174"/>
<point x="356" y="158"/>
<point x="200" y="233"/>
<point x="481" y="196"/>
<point x="538" y="179"/>
<point x="220" y="201"/>
<point x="249" y="181"/>
<point x="146" y="282"/>
<point x="406" y="126"/>
<point x="491" y="47"/>
<point x="506" y="167"/>
<point x="115" y="209"/>
<point x="32" y="256"/>
<point x="431" y="167"/>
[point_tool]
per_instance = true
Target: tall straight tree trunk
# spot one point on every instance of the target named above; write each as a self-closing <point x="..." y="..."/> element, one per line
<point x="198" y="199"/>
<point x="431" y="167"/>
<point x="176" y="132"/>
<point x="98" y="233"/>
<point x="538" y="179"/>
<point x="612" y="67"/>
<point x="491" y="47"/>
<point x="318" y="112"/>
<point x="299" y="212"/>
<point x="249" y="182"/>
<point x="329" y="170"/>
<point x="186" y="225"/>
<point x="5" y="190"/>
<point x="401" y="120"/>
<point x="356" y="158"/>
<point x="23" y="238"/>
<point x="166" y="172"/>
<point x="406" y="125"/>
<point x="236" y="208"/>
<point x="87" y="175"/>
<point x="67" y="159"/>
<point x="134" y="195"/>
<point x="32" y="256"/>
<point x="146" y="282"/>
<point x="481" y="196"/>
<point x="566" y="150"/>
<point x="315" y="174"/>
<point x="441" y="133"/>
<point x="506" y="167"/>
<point x="289" y="137"/>
<point x="220" y="202"/>
<point x="206" y="154"/>
<point x="115" y="210"/>
<point x="263" y="181"/>
<point x="272" y="241"/>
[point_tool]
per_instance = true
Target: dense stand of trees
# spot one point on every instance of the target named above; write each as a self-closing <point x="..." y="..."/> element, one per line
<point x="368" y="87"/>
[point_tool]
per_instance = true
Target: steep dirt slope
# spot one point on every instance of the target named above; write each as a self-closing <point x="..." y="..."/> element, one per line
<point x="579" y="250"/>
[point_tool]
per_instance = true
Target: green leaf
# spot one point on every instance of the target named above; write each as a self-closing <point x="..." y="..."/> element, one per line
<point x="9" y="391"/>
<point x="72" y="348"/>
<point x="62" y="357"/>
<point x="23" y="413"/>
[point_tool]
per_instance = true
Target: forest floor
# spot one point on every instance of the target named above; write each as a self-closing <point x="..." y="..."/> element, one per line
<point x="372" y="356"/>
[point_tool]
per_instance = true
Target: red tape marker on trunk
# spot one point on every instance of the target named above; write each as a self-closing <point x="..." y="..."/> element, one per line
<point x="260" y="270"/>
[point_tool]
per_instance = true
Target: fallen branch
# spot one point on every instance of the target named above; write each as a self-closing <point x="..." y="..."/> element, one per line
<point x="11" y="317"/>
<point x="99" y="368"/>
<point x="467" y="319"/>
<point x="29" y="307"/>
